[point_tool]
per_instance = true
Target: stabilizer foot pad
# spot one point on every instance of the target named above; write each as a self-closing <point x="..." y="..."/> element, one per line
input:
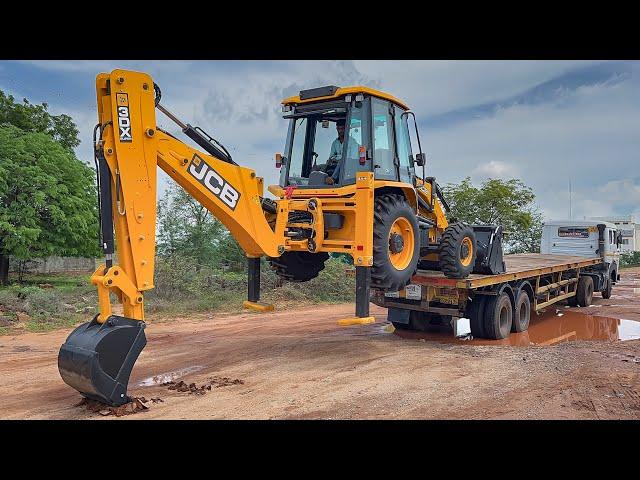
<point x="258" y="306"/>
<point x="345" y="322"/>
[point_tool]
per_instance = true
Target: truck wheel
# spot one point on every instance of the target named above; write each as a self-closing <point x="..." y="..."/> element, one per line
<point x="475" y="313"/>
<point x="396" y="245"/>
<point x="457" y="253"/>
<point x="584" y="293"/>
<point x="498" y="317"/>
<point x="606" y="293"/>
<point x="573" y="301"/>
<point x="298" y="266"/>
<point x="522" y="313"/>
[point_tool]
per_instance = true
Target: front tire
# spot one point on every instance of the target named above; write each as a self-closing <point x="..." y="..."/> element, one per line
<point x="457" y="254"/>
<point x="584" y="293"/>
<point x="606" y="292"/>
<point x="396" y="245"/>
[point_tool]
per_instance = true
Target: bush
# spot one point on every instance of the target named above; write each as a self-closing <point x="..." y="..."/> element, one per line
<point x="630" y="259"/>
<point x="49" y="308"/>
<point x="181" y="284"/>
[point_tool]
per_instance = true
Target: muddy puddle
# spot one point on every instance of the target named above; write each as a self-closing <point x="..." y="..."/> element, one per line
<point x="167" y="377"/>
<point x="552" y="327"/>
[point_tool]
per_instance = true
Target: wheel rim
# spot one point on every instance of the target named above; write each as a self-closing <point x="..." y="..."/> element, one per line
<point x="504" y="318"/>
<point x="402" y="258"/>
<point x="523" y="311"/>
<point x="466" y="251"/>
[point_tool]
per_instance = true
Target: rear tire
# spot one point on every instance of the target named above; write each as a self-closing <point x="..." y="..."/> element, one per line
<point x="498" y="317"/>
<point x="584" y="293"/>
<point x="396" y="245"/>
<point x="457" y="254"/>
<point x="606" y="293"/>
<point x="298" y="266"/>
<point x="522" y="313"/>
<point x="475" y="313"/>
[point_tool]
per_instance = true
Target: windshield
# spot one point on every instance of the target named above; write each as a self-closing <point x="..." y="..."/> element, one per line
<point x="324" y="148"/>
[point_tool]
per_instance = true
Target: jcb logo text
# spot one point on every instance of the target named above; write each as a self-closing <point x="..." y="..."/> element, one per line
<point x="217" y="185"/>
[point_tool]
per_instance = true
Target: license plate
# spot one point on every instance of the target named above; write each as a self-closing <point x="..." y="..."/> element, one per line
<point x="413" y="292"/>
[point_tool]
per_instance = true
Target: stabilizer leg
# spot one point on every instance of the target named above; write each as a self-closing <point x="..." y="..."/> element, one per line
<point x="253" y="295"/>
<point x="363" y="287"/>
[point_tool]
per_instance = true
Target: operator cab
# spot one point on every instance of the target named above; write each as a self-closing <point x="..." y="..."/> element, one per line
<point x="335" y="132"/>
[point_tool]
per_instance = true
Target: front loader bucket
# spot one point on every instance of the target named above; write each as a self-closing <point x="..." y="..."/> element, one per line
<point x="97" y="359"/>
<point x="489" y="258"/>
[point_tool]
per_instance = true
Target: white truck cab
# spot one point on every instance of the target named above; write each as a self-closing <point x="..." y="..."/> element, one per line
<point x="585" y="238"/>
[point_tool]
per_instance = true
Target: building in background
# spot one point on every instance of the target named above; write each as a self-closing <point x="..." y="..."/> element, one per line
<point x="629" y="229"/>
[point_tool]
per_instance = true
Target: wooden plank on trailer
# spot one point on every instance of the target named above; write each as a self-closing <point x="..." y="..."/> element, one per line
<point x="519" y="266"/>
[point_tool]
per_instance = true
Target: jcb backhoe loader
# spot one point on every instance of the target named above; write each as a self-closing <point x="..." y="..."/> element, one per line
<point x="355" y="192"/>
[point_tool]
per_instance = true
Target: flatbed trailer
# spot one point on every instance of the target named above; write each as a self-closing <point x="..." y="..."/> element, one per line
<point x="496" y="304"/>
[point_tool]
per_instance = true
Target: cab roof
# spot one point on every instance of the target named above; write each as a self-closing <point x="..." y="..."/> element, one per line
<point x="325" y="93"/>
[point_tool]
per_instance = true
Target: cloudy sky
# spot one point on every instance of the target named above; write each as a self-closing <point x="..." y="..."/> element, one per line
<point x="544" y="122"/>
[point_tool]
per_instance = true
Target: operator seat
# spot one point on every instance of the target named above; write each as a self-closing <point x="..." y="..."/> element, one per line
<point x="317" y="178"/>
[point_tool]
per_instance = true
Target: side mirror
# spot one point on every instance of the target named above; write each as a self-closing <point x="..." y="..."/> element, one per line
<point x="278" y="160"/>
<point x="421" y="159"/>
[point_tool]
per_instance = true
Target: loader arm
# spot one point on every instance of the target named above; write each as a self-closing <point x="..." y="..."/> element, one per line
<point x="98" y="356"/>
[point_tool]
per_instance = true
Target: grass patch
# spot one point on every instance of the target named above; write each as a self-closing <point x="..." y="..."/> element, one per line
<point x="47" y="324"/>
<point x="180" y="288"/>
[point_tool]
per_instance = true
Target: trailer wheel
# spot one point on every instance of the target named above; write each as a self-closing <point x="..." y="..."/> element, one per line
<point x="498" y="317"/>
<point x="606" y="293"/>
<point x="475" y="312"/>
<point x="522" y="313"/>
<point x="457" y="255"/>
<point x="396" y="245"/>
<point x="584" y="293"/>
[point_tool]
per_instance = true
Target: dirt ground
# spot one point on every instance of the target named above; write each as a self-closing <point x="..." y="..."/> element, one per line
<point x="296" y="364"/>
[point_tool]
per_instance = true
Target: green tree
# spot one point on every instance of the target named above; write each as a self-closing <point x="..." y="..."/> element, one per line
<point x="47" y="199"/>
<point x="30" y="117"/>
<point x="509" y="203"/>
<point x="187" y="229"/>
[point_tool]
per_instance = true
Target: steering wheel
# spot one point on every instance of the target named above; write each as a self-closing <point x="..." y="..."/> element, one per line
<point x="330" y="166"/>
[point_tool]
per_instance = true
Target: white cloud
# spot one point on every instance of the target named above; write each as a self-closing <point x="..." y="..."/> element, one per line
<point x="590" y="135"/>
<point x="495" y="169"/>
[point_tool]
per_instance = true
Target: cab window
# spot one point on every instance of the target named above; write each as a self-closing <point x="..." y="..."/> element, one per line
<point x="296" y="156"/>
<point x="383" y="154"/>
<point x="354" y="140"/>
<point x="404" y="145"/>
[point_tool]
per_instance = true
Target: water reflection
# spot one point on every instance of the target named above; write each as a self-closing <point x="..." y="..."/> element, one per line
<point x="549" y="328"/>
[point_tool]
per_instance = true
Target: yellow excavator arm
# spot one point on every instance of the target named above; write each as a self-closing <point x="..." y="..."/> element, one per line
<point x="131" y="145"/>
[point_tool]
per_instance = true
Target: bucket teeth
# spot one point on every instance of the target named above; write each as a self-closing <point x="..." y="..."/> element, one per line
<point x="97" y="359"/>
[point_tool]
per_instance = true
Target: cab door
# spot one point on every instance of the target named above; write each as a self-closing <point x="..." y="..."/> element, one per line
<point x="384" y="154"/>
<point x="406" y="167"/>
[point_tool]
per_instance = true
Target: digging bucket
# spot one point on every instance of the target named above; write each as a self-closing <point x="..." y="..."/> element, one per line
<point x="97" y="359"/>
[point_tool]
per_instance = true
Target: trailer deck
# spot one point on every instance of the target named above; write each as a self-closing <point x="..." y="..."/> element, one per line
<point x="519" y="267"/>
<point x="532" y="282"/>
